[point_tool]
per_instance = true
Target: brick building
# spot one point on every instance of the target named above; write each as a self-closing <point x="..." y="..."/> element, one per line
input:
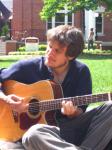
<point x="26" y="21"/>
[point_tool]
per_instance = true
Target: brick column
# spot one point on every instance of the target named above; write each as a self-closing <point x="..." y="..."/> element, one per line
<point x="11" y="46"/>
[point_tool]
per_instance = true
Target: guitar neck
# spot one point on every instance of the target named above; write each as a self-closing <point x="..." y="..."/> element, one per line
<point x="78" y="100"/>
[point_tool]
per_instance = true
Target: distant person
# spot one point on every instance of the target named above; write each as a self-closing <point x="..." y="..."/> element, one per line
<point x="91" y="39"/>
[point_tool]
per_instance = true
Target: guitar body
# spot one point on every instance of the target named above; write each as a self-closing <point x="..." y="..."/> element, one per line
<point x="14" y="125"/>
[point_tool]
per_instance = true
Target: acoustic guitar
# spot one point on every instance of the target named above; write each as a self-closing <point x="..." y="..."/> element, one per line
<point x="43" y="98"/>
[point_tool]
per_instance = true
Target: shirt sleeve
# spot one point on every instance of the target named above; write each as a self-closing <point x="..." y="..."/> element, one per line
<point x="1" y="69"/>
<point x="13" y="72"/>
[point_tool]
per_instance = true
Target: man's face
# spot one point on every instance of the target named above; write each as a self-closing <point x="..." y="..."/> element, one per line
<point x="55" y="55"/>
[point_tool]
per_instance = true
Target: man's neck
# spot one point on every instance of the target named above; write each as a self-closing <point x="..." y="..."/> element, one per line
<point x="61" y="69"/>
<point x="60" y="73"/>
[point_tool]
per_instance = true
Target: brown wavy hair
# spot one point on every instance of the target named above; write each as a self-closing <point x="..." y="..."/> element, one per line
<point x="69" y="36"/>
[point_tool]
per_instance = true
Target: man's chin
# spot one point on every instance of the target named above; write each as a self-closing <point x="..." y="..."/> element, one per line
<point x="49" y="64"/>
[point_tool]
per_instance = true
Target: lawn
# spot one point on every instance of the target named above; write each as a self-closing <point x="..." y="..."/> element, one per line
<point x="101" y="71"/>
<point x="100" y="67"/>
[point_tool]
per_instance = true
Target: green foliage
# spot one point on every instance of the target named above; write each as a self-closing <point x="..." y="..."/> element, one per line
<point x="36" y="53"/>
<point x="42" y="47"/>
<point x="42" y="51"/>
<point x="101" y="71"/>
<point x="5" y="30"/>
<point x="97" y="51"/>
<point x="21" y="49"/>
<point x="53" y="6"/>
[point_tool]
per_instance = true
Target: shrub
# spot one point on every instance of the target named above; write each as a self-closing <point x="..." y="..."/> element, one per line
<point x="27" y="53"/>
<point x="42" y="47"/>
<point x="98" y="52"/>
<point x="5" y="30"/>
<point x="21" y="49"/>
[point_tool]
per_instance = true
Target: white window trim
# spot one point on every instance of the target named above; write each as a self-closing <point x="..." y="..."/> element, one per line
<point x="65" y="21"/>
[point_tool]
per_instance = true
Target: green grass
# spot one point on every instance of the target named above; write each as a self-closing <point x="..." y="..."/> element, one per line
<point x="100" y="66"/>
<point x="101" y="71"/>
<point x="6" y="61"/>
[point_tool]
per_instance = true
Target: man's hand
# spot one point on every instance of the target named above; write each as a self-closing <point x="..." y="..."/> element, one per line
<point x="70" y="110"/>
<point x="17" y="104"/>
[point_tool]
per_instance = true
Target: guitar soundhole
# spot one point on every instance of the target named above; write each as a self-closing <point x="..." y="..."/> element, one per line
<point x="33" y="107"/>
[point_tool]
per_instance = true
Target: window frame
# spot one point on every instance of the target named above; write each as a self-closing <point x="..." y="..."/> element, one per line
<point x="53" y="19"/>
<point x="102" y="24"/>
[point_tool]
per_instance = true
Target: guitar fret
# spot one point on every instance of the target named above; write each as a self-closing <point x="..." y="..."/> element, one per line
<point x="78" y="100"/>
<point x="89" y="99"/>
<point x="49" y="105"/>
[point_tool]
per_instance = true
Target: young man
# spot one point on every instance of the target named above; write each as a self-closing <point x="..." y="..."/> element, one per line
<point x="76" y="129"/>
<point x="91" y="39"/>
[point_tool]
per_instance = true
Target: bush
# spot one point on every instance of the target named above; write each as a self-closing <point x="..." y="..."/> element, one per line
<point x="98" y="52"/>
<point x="27" y="53"/>
<point x="5" y="30"/>
<point x="42" y="47"/>
<point x="21" y="49"/>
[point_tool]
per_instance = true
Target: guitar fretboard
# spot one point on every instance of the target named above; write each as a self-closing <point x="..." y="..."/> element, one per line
<point x="78" y="100"/>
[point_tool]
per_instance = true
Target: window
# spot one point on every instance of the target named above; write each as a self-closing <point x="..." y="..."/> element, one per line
<point x="60" y="18"/>
<point x="99" y="24"/>
<point x="49" y="23"/>
<point x="69" y="19"/>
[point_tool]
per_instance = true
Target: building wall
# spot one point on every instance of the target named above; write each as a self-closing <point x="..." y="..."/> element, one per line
<point x="107" y="35"/>
<point x="27" y="22"/>
<point x="26" y="19"/>
<point x="78" y="20"/>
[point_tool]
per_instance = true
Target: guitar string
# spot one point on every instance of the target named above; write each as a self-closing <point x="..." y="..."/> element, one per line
<point x="76" y="98"/>
<point x="45" y="109"/>
<point x="53" y="104"/>
<point x="79" y="98"/>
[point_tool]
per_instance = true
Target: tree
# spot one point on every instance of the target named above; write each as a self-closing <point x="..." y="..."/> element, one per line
<point x="5" y="30"/>
<point x="52" y="6"/>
